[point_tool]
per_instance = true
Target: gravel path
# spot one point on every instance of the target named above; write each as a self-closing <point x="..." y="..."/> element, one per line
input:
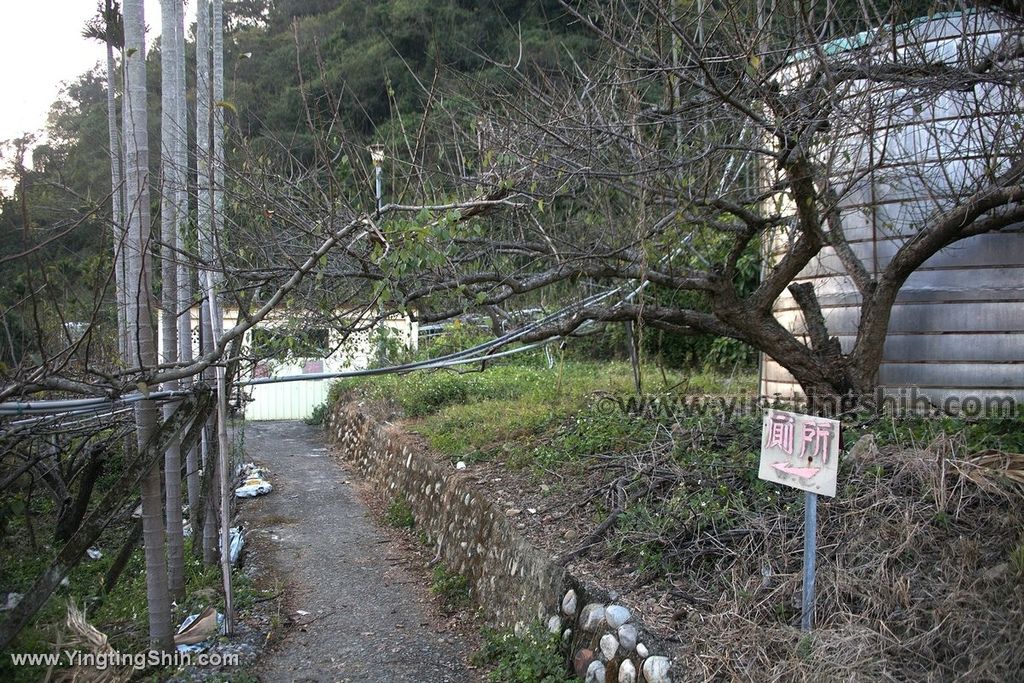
<point x="368" y="618"/>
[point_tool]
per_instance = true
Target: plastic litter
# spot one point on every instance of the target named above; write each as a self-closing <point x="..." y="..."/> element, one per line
<point x="94" y="553"/>
<point x="254" y="481"/>
<point x="254" y="487"/>
<point x="251" y="470"/>
<point x="11" y="601"/>
<point x="197" y="629"/>
<point x="235" y="542"/>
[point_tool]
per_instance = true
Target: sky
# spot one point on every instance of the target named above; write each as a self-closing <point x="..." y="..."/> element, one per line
<point x="42" y="45"/>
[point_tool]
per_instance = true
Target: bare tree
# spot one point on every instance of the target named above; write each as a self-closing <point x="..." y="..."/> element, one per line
<point x="697" y="149"/>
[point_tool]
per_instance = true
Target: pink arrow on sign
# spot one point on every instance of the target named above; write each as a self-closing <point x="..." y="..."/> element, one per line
<point x="802" y="472"/>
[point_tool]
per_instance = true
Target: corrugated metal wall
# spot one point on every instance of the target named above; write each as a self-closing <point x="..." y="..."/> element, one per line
<point x="296" y="400"/>
<point x="958" y="326"/>
<point x="287" y="400"/>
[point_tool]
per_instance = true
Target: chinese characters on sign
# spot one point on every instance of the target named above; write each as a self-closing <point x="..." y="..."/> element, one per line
<point x="801" y="451"/>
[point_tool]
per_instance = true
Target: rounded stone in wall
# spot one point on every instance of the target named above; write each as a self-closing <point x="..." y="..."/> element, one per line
<point x="656" y="670"/>
<point x="592" y="617"/>
<point x="569" y="603"/>
<point x="627" y="637"/>
<point x="595" y="673"/>
<point x="616" y="615"/>
<point x="609" y="646"/>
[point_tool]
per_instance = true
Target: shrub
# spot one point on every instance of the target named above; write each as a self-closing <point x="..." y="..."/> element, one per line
<point x="316" y="418"/>
<point x="535" y="656"/>
<point x="451" y="587"/>
<point x="399" y="514"/>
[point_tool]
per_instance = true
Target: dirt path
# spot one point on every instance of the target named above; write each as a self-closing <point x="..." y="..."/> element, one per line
<point x="368" y="618"/>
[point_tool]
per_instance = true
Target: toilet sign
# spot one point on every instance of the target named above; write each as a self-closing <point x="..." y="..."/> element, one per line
<point x="800" y="451"/>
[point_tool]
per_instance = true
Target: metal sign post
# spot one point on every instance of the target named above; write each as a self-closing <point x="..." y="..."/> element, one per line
<point x="810" y="555"/>
<point x="802" y="451"/>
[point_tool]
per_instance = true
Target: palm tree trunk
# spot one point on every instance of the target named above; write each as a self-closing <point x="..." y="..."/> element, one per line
<point x="117" y="198"/>
<point x="209" y="500"/>
<point x="142" y="347"/>
<point x="204" y="210"/>
<point x="169" y="221"/>
<point x="185" y="273"/>
<point x="218" y="318"/>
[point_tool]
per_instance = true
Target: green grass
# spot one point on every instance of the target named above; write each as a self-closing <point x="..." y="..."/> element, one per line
<point x="424" y="393"/>
<point x="530" y="415"/>
<point x="451" y="588"/>
<point x="543" y="418"/>
<point x="399" y="514"/>
<point x="535" y="656"/>
<point x="979" y="434"/>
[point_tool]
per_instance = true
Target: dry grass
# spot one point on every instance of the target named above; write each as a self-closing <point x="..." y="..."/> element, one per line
<point x="915" y="580"/>
<point x="83" y="637"/>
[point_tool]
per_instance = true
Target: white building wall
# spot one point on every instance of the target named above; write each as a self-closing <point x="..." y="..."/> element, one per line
<point x="296" y="400"/>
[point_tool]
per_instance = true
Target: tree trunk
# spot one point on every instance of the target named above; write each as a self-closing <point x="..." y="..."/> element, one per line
<point x="70" y="516"/>
<point x="169" y="221"/>
<point x="210" y="479"/>
<point x="117" y="200"/>
<point x="224" y="461"/>
<point x="185" y="273"/>
<point x="204" y="209"/>
<point x="142" y="347"/>
<point x="117" y="567"/>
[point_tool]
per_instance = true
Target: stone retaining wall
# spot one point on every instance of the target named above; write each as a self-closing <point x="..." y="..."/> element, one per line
<point x="508" y="578"/>
<point x="513" y="582"/>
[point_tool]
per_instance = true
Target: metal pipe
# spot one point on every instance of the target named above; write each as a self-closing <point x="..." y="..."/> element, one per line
<point x="380" y="186"/>
<point x="810" y="555"/>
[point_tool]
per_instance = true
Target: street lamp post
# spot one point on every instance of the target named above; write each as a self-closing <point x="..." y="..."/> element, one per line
<point x="377" y="154"/>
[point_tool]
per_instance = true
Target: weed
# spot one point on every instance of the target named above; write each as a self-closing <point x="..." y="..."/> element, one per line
<point x="399" y="514"/>
<point x="805" y="648"/>
<point x="451" y="587"/>
<point x="121" y="613"/>
<point x="318" y="415"/>
<point x="533" y="657"/>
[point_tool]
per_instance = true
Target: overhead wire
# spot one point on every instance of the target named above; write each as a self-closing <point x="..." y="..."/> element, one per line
<point x="479" y="353"/>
